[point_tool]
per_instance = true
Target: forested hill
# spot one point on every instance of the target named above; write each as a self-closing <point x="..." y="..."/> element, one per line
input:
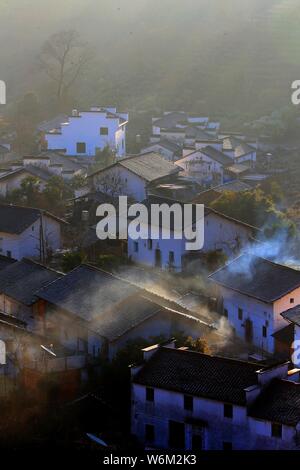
<point x="214" y="55"/>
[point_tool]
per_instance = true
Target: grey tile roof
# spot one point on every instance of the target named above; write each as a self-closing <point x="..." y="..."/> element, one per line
<point x="149" y="166"/>
<point x="5" y="261"/>
<point x="257" y="277"/>
<point x="235" y="186"/>
<point x="87" y="291"/>
<point x="216" y="155"/>
<point x="114" y="324"/>
<point x="240" y="147"/>
<point x="53" y="123"/>
<point x="22" y="280"/>
<point x="292" y="315"/>
<point x="31" y="169"/>
<point x="279" y="403"/>
<point x="57" y="158"/>
<point x="15" y="219"/>
<point x="197" y="374"/>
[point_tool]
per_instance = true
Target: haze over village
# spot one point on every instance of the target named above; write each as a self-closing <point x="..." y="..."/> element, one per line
<point x="140" y="342"/>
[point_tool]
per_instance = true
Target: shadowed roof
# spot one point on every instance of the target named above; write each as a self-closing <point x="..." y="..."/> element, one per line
<point x="198" y="374"/>
<point x="257" y="277"/>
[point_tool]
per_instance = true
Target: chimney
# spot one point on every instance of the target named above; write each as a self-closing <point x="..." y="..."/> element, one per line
<point x="278" y="371"/>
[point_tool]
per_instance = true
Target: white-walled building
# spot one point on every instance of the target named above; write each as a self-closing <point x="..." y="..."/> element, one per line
<point x="220" y="233"/>
<point x="86" y="132"/>
<point x="206" y="165"/>
<point x="184" y="400"/>
<point x="166" y="148"/>
<point x="28" y="232"/>
<point x="254" y="292"/>
<point x="131" y="176"/>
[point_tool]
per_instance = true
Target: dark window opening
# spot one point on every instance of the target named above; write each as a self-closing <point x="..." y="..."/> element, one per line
<point x="264" y="331"/>
<point x="8" y="253"/>
<point x="197" y="443"/>
<point x="171" y="257"/>
<point x="240" y="314"/>
<point x="176" y="435"/>
<point x="149" y="394"/>
<point x="277" y="430"/>
<point x="225" y="312"/>
<point x="81" y="147"/>
<point x="149" y="433"/>
<point x="103" y="130"/>
<point x="227" y="445"/>
<point x="150" y="244"/>
<point x="292" y="301"/>
<point x="188" y="403"/>
<point x="228" y="410"/>
<point x="136" y="247"/>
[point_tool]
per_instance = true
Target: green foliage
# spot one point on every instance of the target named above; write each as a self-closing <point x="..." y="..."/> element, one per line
<point x="110" y="262"/>
<point x="255" y="208"/>
<point x="71" y="261"/>
<point x="215" y="259"/>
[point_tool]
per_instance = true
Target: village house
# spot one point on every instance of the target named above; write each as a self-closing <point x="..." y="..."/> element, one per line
<point x="253" y="293"/>
<point x="185" y="400"/>
<point x="19" y="283"/>
<point x="221" y="233"/>
<point x="97" y="313"/>
<point x="166" y="148"/>
<point x="87" y="132"/>
<point x="207" y="165"/>
<point x="28" y="232"/>
<point x="131" y="176"/>
<point x="182" y="120"/>
<point x="5" y="261"/>
<point x="239" y="150"/>
<point x="42" y="167"/>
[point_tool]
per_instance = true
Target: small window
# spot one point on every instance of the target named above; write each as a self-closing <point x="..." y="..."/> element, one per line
<point x="149" y="433"/>
<point x="103" y="130"/>
<point x="240" y="314"/>
<point x="123" y="144"/>
<point x="264" y="331"/>
<point x="32" y="228"/>
<point x="149" y="394"/>
<point x="136" y="247"/>
<point x="225" y="313"/>
<point x="81" y="147"/>
<point x="150" y="244"/>
<point x="292" y="301"/>
<point x="277" y="430"/>
<point x="188" y="403"/>
<point x="228" y="410"/>
<point x="171" y="257"/>
<point x="227" y="445"/>
<point x="8" y="254"/>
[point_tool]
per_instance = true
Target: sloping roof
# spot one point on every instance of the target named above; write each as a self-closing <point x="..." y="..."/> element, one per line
<point x="53" y="123"/>
<point x="292" y="315"/>
<point x="87" y="291"/>
<point x="197" y="374"/>
<point x="149" y="166"/>
<point x="21" y="280"/>
<point x="168" y="144"/>
<point x="216" y="155"/>
<point x="56" y="158"/>
<point x="15" y="219"/>
<point x="3" y="149"/>
<point x="257" y="277"/>
<point x="235" y="186"/>
<point x="238" y="146"/>
<point x="279" y="403"/>
<point x="170" y="120"/>
<point x="113" y="325"/>
<point x="31" y="169"/>
<point x="5" y="261"/>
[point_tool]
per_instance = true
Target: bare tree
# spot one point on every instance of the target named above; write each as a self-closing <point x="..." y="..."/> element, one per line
<point x="62" y="58"/>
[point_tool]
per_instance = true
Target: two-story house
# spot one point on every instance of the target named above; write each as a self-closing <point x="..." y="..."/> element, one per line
<point x="185" y="400"/>
<point x="28" y="232"/>
<point x="86" y="132"/>
<point x="252" y="293"/>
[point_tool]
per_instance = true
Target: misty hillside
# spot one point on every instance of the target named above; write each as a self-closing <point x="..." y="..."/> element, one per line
<point x="219" y="56"/>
